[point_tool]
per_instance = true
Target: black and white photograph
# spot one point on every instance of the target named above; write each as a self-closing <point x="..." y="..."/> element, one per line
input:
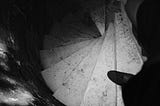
<point x="79" y="53"/>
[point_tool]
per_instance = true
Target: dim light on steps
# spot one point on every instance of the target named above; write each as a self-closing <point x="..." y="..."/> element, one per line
<point x="81" y="79"/>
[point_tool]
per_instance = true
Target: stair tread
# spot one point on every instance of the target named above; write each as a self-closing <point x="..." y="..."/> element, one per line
<point x="68" y="30"/>
<point x="74" y="85"/>
<point x="98" y="17"/>
<point x="63" y="68"/>
<point x="52" y="42"/>
<point x="51" y="57"/>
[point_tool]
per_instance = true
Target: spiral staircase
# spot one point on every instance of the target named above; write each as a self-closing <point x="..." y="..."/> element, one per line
<point x="77" y="58"/>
